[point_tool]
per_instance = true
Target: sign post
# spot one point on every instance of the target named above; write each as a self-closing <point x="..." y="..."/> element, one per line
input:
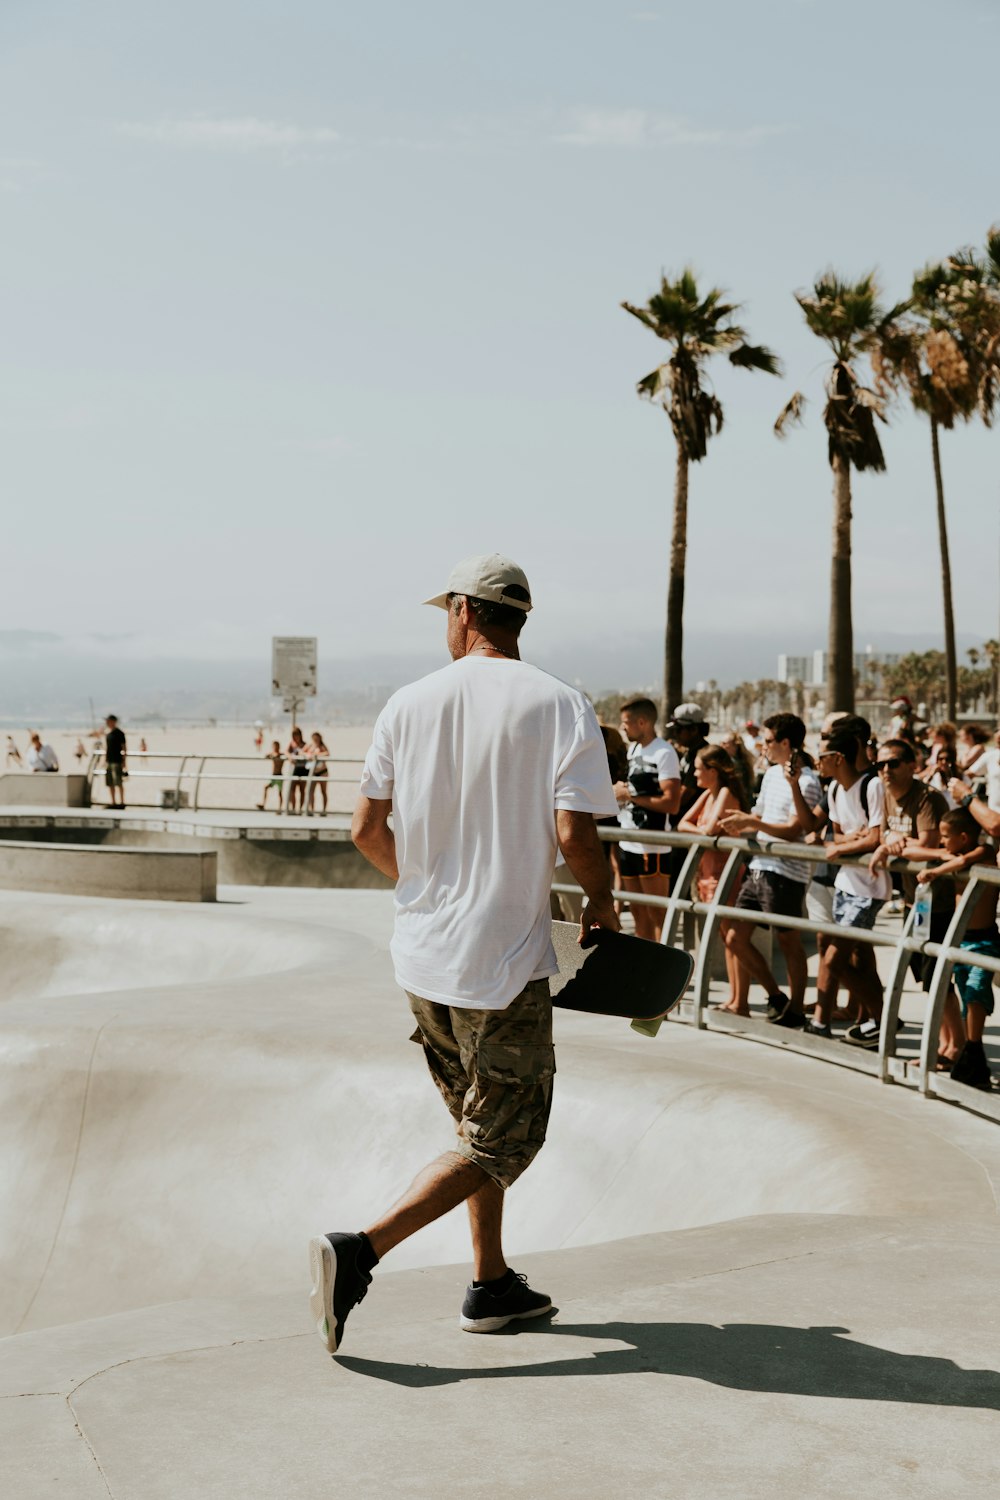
<point x="293" y="670"/>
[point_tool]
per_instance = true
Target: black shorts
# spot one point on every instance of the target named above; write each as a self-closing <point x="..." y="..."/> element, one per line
<point x="631" y="865"/>
<point x="763" y="890"/>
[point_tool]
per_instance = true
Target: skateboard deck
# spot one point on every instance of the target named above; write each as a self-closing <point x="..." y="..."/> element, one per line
<point x="617" y="974"/>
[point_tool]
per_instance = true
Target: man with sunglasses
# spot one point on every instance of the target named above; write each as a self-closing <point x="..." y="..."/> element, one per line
<point x="910" y="830"/>
<point x="776" y="885"/>
<point x="856" y="809"/>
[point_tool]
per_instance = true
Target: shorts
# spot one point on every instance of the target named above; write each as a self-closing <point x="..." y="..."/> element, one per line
<point x="975" y="985"/>
<point x="277" y="781"/>
<point x="300" y="770"/>
<point x="632" y="865"/>
<point x="113" y="773"/>
<point x="764" y="890"/>
<point x="494" y="1070"/>
<point x="850" y="910"/>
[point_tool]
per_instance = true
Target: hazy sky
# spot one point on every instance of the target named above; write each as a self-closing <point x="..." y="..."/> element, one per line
<point x="301" y="302"/>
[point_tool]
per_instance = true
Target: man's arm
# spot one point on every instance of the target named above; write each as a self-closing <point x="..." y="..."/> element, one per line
<point x="739" y="823"/>
<point x="667" y="802"/>
<point x="898" y="846"/>
<point x="984" y="815"/>
<point x="843" y="844"/>
<point x="372" y="835"/>
<point x="953" y="866"/>
<point x="581" y="849"/>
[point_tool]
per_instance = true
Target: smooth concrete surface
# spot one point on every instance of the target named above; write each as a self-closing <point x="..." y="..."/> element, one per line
<point x="252" y="848"/>
<point x="123" y="872"/>
<point x="187" y="1094"/>
<point x="43" y="789"/>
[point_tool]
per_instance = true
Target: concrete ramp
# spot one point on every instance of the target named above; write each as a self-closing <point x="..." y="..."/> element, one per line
<point x="762" y="1260"/>
<point x="123" y="872"/>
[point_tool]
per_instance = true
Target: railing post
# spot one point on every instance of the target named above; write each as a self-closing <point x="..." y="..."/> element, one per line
<point x="703" y="965"/>
<point x="940" y="981"/>
<point x="891" y="999"/>
<point x="197" y="782"/>
<point x="674" y="914"/>
<point x="177" y="784"/>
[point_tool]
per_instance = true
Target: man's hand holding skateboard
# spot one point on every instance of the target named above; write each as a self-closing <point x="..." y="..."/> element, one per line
<point x="581" y="849"/>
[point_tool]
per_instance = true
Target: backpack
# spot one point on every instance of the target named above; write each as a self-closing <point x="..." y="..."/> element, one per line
<point x="868" y="777"/>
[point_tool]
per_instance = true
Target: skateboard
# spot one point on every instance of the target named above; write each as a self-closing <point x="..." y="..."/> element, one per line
<point x="616" y="974"/>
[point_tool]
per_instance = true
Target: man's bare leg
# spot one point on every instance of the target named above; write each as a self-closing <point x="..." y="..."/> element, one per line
<point x="485" y="1207"/>
<point x="795" y="962"/>
<point x="433" y="1193"/>
<point x="739" y="941"/>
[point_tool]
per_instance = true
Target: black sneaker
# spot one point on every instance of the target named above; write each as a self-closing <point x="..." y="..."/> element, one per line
<point x="811" y="1029"/>
<point x="855" y="1037"/>
<point x="972" y="1068"/>
<point x="339" y="1284"/>
<point x="485" y="1312"/>
<point x="776" y="1004"/>
<point x="789" y="1017"/>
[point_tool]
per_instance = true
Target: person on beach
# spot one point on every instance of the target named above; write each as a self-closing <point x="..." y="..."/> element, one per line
<point x="115" y="751"/>
<point x="277" y="778"/>
<point x="296" y="753"/>
<point x="41" y="757"/>
<point x="318" y="751"/>
<point x="486" y="767"/>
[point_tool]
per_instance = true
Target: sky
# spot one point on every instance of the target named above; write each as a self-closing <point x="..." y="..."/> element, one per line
<point x="303" y="302"/>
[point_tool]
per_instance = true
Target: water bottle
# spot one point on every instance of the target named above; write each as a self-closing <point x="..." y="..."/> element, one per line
<point x="922" y="912"/>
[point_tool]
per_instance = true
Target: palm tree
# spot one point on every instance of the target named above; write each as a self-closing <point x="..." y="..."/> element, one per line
<point x="696" y="327"/>
<point x="848" y="317"/>
<point x="946" y="355"/>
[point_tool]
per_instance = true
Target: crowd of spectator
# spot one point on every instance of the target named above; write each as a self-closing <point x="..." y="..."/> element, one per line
<point x="927" y="795"/>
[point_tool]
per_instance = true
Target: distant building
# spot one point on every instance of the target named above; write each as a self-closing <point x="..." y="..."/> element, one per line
<point x="811" y="670"/>
<point x="795" y="669"/>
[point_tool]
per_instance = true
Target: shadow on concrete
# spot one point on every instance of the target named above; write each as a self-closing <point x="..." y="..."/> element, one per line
<point x="741" y="1356"/>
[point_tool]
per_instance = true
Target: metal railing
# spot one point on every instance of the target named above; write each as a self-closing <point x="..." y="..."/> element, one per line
<point x="188" y="772"/>
<point x="890" y="1068"/>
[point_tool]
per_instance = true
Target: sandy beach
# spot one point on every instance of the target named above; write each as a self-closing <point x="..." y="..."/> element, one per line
<point x="230" y="778"/>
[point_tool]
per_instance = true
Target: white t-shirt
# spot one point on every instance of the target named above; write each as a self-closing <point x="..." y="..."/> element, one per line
<point x="847" y="810"/>
<point x="989" y="767"/>
<point x="775" y="805"/>
<point x="476" y="759"/>
<point x="660" y="758"/>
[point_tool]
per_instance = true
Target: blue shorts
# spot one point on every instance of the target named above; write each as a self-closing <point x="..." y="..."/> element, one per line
<point x="975" y="985"/>
<point x="850" y="910"/>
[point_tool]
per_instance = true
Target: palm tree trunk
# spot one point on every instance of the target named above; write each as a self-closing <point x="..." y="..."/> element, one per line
<point x="950" y="655"/>
<point x="840" y="644"/>
<point x="673" y="661"/>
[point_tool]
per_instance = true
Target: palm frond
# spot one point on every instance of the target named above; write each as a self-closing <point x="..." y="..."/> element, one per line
<point x="790" y="414"/>
<point x="651" y="386"/>
<point x="755" y="357"/>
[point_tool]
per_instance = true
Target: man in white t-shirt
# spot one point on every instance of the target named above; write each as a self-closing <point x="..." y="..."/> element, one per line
<point x="773" y="883"/>
<point x="486" y="766"/>
<point x="647" y="799"/>
<point x="857" y="807"/>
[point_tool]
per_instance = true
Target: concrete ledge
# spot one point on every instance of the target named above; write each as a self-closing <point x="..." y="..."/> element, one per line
<point x="81" y="870"/>
<point x="44" y="789"/>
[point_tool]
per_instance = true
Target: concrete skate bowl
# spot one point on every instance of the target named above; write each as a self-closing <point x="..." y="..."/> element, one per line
<point x="187" y="1095"/>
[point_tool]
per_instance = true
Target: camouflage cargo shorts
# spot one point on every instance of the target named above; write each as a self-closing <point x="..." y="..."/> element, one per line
<point x="494" y="1069"/>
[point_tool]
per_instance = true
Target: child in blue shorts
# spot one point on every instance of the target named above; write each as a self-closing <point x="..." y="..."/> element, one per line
<point x="960" y="840"/>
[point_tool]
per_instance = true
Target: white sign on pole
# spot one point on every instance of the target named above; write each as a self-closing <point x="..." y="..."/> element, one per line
<point x="293" y="667"/>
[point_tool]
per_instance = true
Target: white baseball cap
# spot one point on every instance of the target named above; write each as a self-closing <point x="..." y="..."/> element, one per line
<point x="486" y="577"/>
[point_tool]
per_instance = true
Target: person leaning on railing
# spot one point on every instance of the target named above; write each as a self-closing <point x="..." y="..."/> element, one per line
<point x="960" y="842"/>
<point x="774" y="885"/>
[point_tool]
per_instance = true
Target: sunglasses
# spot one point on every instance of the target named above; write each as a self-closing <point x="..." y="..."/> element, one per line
<point x="889" y="765"/>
